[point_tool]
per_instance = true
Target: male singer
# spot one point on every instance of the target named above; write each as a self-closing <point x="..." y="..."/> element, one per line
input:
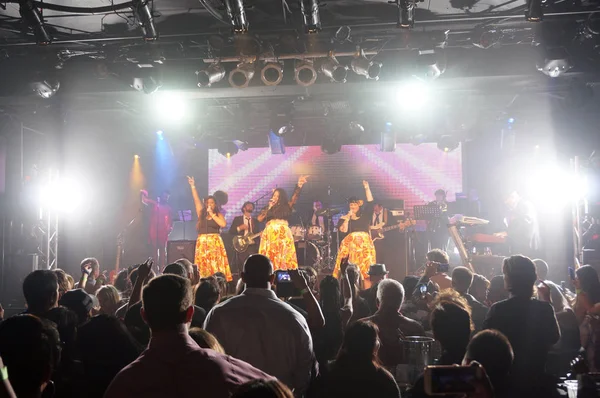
<point x="245" y="225"/>
<point x="379" y="220"/>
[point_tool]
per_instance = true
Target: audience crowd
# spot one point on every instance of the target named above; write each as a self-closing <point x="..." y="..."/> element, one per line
<point x="179" y="335"/>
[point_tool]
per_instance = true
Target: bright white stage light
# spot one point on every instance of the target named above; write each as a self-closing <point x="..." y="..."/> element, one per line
<point x="65" y="196"/>
<point x="554" y="187"/>
<point x="169" y="107"/>
<point x="412" y="95"/>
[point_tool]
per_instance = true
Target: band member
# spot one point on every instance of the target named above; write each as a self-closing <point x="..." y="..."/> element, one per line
<point x="210" y="251"/>
<point x="161" y="225"/>
<point x="523" y="232"/>
<point x="437" y="228"/>
<point x="378" y="221"/>
<point x="277" y="241"/>
<point x="357" y="245"/>
<point x="242" y="226"/>
<point x="320" y="221"/>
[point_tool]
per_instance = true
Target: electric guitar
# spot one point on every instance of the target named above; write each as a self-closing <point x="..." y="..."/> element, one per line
<point x="378" y="233"/>
<point x="241" y="243"/>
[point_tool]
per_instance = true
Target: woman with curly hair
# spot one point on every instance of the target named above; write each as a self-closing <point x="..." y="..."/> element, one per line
<point x="277" y="241"/>
<point x="357" y="246"/>
<point x="210" y="250"/>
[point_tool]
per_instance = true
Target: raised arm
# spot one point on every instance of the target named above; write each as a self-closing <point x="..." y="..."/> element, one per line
<point x="296" y="194"/>
<point x="197" y="201"/>
<point x="368" y="191"/>
<point x="145" y="199"/>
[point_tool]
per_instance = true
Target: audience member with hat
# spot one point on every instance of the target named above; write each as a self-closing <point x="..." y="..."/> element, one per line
<point x="377" y="273"/>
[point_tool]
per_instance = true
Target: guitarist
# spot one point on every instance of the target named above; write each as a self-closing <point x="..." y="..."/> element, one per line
<point x="245" y="225"/>
<point x="378" y="221"/>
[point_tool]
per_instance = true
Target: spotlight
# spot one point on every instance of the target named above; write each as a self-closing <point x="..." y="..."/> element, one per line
<point x="342" y="35"/>
<point x="388" y="139"/>
<point x="412" y="95"/>
<point x="534" y="11"/>
<point x="45" y="88"/>
<point x="160" y="134"/>
<point x="355" y="128"/>
<point x="447" y="143"/>
<point x="428" y="67"/>
<point x="169" y="107"/>
<point x="147" y="78"/>
<point x="240" y="77"/>
<point x="227" y="148"/>
<point x="334" y="71"/>
<point x="305" y="73"/>
<point x="406" y="13"/>
<point x="330" y="145"/>
<point x="136" y="157"/>
<point x="242" y="145"/>
<point x="281" y="120"/>
<point x="31" y="15"/>
<point x="143" y="13"/>
<point x="271" y="74"/>
<point x="555" y="62"/>
<point x="237" y="15"/>
<point x="213" y="74"/>
<point x="310" y="16"/>
<point x="364" y="67"/>
<point x="276" y="143"/>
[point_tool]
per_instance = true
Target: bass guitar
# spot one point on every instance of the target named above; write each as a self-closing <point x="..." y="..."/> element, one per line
<point x="378" y="233"/>
<point x="241" y="243"/>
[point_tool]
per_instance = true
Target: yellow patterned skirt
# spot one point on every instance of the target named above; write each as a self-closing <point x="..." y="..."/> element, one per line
<point x="277" y="243"/>
<point x="211" y="256"/>
<point x="359" y="249"/>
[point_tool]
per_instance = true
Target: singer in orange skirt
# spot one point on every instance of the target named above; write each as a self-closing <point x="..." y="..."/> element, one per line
<point x="210" y="254"/>
<point x="357" y="245"/>
<point x="277" y="241"/>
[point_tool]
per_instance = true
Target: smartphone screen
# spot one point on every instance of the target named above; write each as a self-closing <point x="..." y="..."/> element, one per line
<point x="442" y="380"/>
<point x="423" y="289"/>
<point x="283" y="276"/>
<point x="443" y="267"/>
<point x="572" y="273"/>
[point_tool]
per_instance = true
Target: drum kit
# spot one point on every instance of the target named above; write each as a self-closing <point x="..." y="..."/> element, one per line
<point x="317" y="242"/>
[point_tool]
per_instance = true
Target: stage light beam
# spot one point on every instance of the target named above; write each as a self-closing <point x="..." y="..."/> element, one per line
<point x="170" y="107"/>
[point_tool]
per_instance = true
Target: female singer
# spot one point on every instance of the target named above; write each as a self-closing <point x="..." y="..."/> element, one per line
<point x="277" y="241"/>
<point x="357" y="245"/>
<point x="210" y="251"/>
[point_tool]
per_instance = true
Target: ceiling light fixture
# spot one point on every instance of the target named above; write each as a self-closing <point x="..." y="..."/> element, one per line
<point x="32" y="16"/>
<point x="406" y="13"/>
<point x="213" y="74"/>
<point x="45" y="88"/>
<point x="227" y="148"/>
<point x="271" y="74"/>
<point x="310" y="16"/>
<point x="305" y="73"/>
<point x="554" y="62"/>
<point x="237" y="15"/>
<point x="143" y="13"/>
<point x="241" y="76"/>
<point x="447" y="143"/>
<point x="333" y="70"/>
<point x="365" y="67"/>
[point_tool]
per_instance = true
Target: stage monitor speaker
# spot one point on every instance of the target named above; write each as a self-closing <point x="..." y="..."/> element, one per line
<point x="177" y="249"/>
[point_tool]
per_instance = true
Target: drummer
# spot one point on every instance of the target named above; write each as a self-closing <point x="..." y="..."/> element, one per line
<point x="318" y="220"/>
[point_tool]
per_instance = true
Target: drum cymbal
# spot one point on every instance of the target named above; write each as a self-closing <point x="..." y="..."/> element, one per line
<point x="328" y="212"/>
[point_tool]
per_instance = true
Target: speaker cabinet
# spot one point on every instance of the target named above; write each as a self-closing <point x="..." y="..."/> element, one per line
<point x="177" y="249"/>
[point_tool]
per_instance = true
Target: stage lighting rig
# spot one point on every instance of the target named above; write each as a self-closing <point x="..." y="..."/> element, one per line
<point x="310" y="16"/>
<point x="272" y="74"/>
<point x="45" y="88"/>
<point x="148" y="78"/>
<point x="406" y="13"/>
<point x="429" y="65"/>
<point x="32" y="16"/>
<point x="554" y="62"/>
<point x="143" y="13"/>
<point x="241" y="76"/>
<point x="281" y="120"/>
<point x="227" y="148"/>
<point x="333" y="70"/>
<point x="237" y="15"/>
<point x="365" y="67"/>
<point x="447" y="143"/>
<point x="534" y="10"/>
<point x="305" y="73"/>
<point x="213" y="74"/>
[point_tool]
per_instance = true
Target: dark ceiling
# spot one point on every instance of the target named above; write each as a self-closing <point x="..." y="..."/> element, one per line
<point x="486" y="51"/>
